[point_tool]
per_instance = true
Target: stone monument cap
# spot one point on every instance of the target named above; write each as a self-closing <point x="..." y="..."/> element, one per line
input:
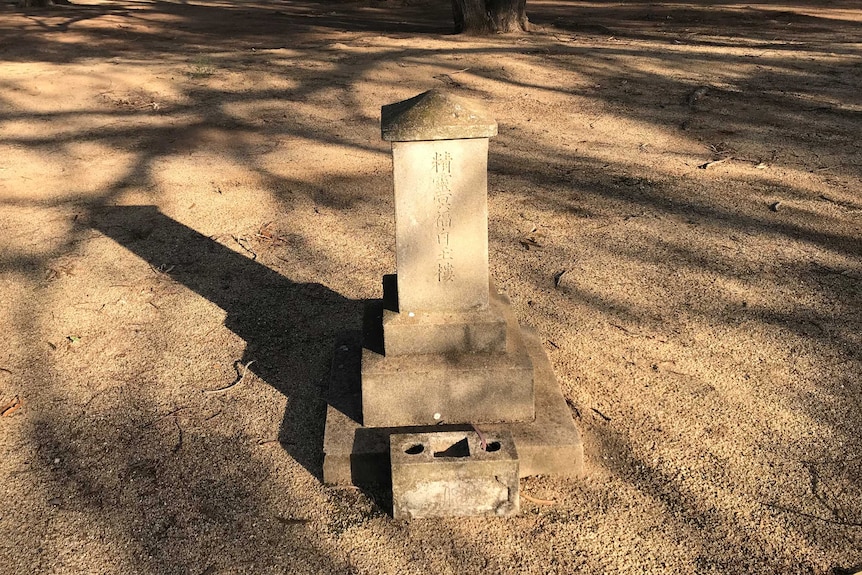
<point x="435" y="115"/>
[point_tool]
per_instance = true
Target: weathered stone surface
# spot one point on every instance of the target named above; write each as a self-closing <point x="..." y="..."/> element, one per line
<point x="550" y="445"/>
<point x="438" y="357"/>
<point x="358" y="455"/>
<point x="435" y="115"/>
<point x="482" y="331"/>
<point x="446" y="474"/>
<point x="479" y="331"/>
<point x="441" y="225"/>
<point x="450" y="388"/>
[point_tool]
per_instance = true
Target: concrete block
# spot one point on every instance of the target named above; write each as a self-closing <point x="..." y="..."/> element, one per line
<point x="445" y="474"/>
<point x="436" y="115"/>
<point x="444" y="333"/>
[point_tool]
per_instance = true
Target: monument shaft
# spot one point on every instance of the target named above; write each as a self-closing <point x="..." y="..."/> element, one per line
<point x="441" y="230"/>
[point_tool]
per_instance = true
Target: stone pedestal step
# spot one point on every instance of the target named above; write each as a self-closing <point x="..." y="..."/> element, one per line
<point x="451" y="387"/>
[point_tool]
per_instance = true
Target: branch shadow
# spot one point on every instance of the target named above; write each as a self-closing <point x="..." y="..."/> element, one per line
<point x="290" y="328"/>
<point x="177" y="499"/>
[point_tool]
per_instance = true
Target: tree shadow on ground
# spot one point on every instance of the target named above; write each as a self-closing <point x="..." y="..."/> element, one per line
<point x="290" y="328"/>
<point x="648" y="82"/>
<point x="180" y="489"/>
<point x="195" y="28"/>
<point x="169" y="497"/>
<point x="691" y="515"/>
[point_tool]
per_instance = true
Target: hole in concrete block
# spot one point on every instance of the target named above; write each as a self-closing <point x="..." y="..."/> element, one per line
<point x="457" y="449"/>
<point x="415" y="449"/>
<point x="493" y="446"/>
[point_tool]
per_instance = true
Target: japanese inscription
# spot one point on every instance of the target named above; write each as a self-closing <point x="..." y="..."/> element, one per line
<point x="442" y="181"/>
<point x="441" y="224"/>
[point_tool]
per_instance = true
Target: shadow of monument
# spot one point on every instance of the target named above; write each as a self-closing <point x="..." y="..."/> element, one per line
<point x="290" y="328"/>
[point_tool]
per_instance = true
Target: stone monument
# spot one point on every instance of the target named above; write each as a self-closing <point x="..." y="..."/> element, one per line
<point x="448" y="357"/>
<point x="452" y="358"/>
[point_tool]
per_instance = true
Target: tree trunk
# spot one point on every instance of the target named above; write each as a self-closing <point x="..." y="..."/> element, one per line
<point x="41" y="3"/>
<point x="490" y="16"/>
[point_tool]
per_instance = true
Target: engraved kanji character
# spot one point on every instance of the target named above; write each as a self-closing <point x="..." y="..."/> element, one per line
<point x="445" y="272"/>
<point x="443" y="162"/>
<point x="444" y="222"/>
<point x="443" y="201"/>
<point x="441" y="184"/>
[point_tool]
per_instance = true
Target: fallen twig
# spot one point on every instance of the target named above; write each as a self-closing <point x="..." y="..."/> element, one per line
<point x="291" y="520"/>
<point x="11" y="407"/>
<point x="840" y="203"/>
<point x="627" y="330"/>
<point x="216" y="414"/>
<point x="482" y="440"/>
<point x="234" y="384"/>
<point x="179" y="437"/>
<point x="163" y="269"/>
<point x="239" y="241"/>
<point x="265" y="233"/>
<point x="600" y="414"/>
<point x="714" y="162"/>
<point x="558" y="277"/>
<point x="538" y="501"/>
<point x="834" y="521"/>
<point x="165" y="416"/>
<point x="660" y="366"/>
<point x="636" y="334"/>
<point x="448" y="80"/>
<point x="574" y="408"/>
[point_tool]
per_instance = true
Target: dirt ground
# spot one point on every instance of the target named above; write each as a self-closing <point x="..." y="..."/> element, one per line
<point x="188" y="188"/>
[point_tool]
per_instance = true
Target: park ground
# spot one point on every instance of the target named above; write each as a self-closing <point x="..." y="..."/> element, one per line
<point x="195" y="204"/>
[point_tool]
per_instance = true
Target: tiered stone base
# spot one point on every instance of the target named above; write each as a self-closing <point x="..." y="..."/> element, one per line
<point x="359" y="454"/>
<point x="446" y="386"/>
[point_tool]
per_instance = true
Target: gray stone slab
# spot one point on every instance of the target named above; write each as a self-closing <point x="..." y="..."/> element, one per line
<point x="451" y="474"/>
<point x="480" y="331"/>
<point x="441" y="225"/>
<point x="550" y="445"/>
<point x="359" y="455"/>
<point x="450" y="388"/>
<point x="444" y="333"/>
<point x="435" y="115"/>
